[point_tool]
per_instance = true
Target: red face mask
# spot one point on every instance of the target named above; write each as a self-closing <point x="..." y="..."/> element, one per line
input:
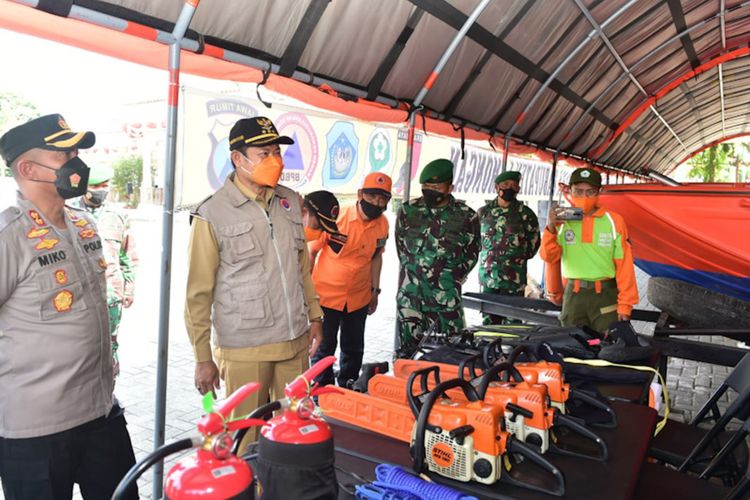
<point x="267" y="172"/>
<point x="585" y="203"/>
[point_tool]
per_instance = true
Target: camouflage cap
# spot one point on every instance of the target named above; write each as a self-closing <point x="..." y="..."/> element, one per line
<point x="510" y="175"/>
<point x="587" y="175"/>
<point x="437" y="171"/>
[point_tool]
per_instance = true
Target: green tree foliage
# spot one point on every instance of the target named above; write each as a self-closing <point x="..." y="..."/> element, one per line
<point x="712" y="164"/>
<point x="14" y="110"/>
<point x="127" y="179"/>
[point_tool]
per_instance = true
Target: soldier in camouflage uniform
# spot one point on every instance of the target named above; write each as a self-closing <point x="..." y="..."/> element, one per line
<point x="510" y="237"/>
<point x="437" y="239"/>
<point x="118" y="248"/>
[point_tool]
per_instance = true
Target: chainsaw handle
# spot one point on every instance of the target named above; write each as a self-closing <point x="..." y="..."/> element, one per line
<point x="302" y="385"/>
<point x="522" y="349"/>
<point x="566" y="421"/>
<point x="515" y="446"/>
<point x="469" y="366"/>
<point x="226" y="407"/>
<point x="494" y="372"/>
<point x="492" y="352"/>
<point x="596" y="403"/>
<point x="423" y="415"/>
<point x="414" y="400"/>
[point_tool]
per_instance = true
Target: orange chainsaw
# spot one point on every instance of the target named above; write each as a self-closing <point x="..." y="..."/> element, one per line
<point x="541" y="371"/>
<point x="528" y="415"/>
<point x="460" y="440"/>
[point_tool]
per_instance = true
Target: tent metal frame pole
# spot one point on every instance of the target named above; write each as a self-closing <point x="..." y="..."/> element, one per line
<point x="553" y="177"/>
<point x="722" y="24"/>
<point x="430" y="82"/>
<point x="553" y="76"/>
<point x="186" y="15"/>
<point x="636" y="65"/>
<point x="576" y="125"/>
<point x="625" y="69"/>
<point x="407" y="168"/>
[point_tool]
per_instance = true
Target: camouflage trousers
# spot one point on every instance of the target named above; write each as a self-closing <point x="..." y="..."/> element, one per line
<point x="414" y="319"/>
<point x="114" y="308"/>
<point x="496" y="319"/>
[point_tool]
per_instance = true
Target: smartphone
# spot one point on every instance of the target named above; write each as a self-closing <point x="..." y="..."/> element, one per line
<point x="571" y="213"/>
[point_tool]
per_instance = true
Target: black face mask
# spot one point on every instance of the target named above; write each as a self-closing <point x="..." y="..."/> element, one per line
<point x="96" y="197"/>
<point x="433" y="198"/>
<point x="508" y="194"/>
<point x="370" y="210"/>
<point x="72" y="178"/>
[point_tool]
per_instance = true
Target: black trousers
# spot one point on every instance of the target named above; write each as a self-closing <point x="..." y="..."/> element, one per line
<point x="96" y="455"/>
<point x="352" y="326"/>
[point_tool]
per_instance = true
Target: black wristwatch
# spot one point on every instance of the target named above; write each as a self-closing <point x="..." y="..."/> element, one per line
<point x="376" y="290"/>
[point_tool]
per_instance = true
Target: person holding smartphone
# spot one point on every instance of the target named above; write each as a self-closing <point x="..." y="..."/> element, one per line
<point x="595" y="256"/>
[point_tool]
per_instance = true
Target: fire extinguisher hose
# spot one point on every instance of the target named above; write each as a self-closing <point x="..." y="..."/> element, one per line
<point x="259" y="412"/>
<point x="152" y="458"/>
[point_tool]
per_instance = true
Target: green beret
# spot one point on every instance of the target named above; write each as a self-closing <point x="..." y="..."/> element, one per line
<point x="99" y="174"/>
<point x="510" y="175"/>
<point x="587" y="175"/>
<point x="437" y="171"/>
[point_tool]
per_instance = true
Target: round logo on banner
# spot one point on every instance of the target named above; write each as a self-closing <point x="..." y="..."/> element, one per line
<point x="379" y="150"/>
<point x="341" y="155"/>
<point x="221" y="115"/>
<point x="300" y="158"/>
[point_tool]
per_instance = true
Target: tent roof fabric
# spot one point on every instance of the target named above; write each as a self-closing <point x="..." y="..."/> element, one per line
<point x="635" y="85"/>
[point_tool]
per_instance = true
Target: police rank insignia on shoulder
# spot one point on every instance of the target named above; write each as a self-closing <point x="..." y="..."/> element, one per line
<point x="63" y="301"/>
<point x="47" y="244"/>
<point x="87" y="234"/>
<point x="37" y="232"/>
<point x="81" y="223"/>
<point x="37" y="218"/>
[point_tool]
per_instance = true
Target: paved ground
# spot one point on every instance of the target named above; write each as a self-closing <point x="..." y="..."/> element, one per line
<point x="689" y="382"/>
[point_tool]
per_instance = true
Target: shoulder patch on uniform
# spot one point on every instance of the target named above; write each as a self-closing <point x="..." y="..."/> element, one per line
<point x="284" y="192"/>
<point x="202" y="202"/>
<point x="9" y="215"/>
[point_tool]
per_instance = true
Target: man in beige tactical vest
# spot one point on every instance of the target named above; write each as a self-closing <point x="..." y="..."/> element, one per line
<point x="249" y="286"/>
<point x="59" y="424"/>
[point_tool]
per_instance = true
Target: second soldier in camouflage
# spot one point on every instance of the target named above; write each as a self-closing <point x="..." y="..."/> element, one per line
<point x="437" y="239"/>
<point x="510" y="237"/>
<point x="118" y="247"/>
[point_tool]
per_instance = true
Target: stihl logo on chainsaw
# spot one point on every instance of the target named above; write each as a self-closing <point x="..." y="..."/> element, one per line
<point x="442" y="454"/>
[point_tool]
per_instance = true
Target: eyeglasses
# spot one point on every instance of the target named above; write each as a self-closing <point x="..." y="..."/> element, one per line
<point x="587" y="193"/>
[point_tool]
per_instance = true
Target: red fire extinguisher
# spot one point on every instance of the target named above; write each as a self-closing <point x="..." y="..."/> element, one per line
<point x="295" y="448"/>
<point x="296" y="437"/>
<point x="212" y="472"/>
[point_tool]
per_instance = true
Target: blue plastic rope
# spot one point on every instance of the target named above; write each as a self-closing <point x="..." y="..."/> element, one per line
<point x="392" y="479"/>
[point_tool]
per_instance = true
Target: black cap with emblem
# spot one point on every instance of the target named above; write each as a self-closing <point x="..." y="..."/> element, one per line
<point x="325" y="206"/>
<point x="49" y="132"/>
<point x="256" y="132"/>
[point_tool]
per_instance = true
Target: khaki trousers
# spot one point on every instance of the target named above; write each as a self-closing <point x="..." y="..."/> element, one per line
<point x="273" y="376"/>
